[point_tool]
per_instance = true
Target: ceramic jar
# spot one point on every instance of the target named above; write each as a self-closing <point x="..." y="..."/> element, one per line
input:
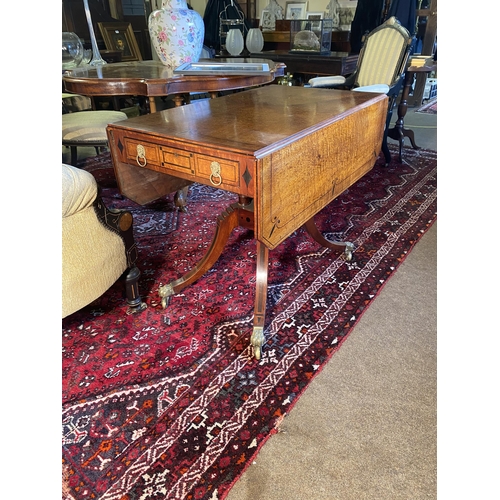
<point x="177" y="33"/>
<point x="234" y="42"/>
<point x="255" y="40"/>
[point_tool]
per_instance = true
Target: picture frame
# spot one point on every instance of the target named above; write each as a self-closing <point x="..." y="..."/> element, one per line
<point x="315" y="18"/>
<point x="295" y="10"/>
<point x="120" y="36"/>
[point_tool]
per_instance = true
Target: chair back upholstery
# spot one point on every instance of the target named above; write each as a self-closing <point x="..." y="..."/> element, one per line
<point x="383" y="56"/>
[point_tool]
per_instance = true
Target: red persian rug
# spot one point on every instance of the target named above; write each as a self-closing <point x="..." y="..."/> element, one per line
<point x="170" y="403"/>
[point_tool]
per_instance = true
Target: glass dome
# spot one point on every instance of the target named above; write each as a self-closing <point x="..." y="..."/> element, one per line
<point x="72" y="50"/>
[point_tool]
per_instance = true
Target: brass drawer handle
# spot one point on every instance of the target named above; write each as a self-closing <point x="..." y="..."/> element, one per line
<point x="215" y="177"/>
<point x="141" y="155"/>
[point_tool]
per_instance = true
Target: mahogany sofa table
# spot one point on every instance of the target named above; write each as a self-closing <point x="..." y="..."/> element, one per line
<point x="152" y="79"/>
<point x="287" y="152"/>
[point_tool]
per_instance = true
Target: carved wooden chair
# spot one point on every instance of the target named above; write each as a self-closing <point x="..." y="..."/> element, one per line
<point x="380" y="68"/>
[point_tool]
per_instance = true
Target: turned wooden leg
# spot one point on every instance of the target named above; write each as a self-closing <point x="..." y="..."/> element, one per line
<point x="257" y="338"/>
<point x="398" y="132"/>
<point x="132" y="288"/>
<point x="180" y="199"/>
<point x="344" y="246"/>
<point x="385" y="151"/>
<point x="179" y="99"/>
<point x="74" y="155"/>
<point x="152" y="104"/>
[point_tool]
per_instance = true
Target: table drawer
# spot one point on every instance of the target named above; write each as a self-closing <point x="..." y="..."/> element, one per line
<point x="141" y="153"/>
<point x="144" y="153"/>
<point x="176" y="159"/>
<point x="218" y="171"/>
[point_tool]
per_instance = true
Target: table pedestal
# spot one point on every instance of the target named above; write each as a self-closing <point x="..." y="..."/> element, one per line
<point x="242" y="214"/>
<point x="399" y="132"/>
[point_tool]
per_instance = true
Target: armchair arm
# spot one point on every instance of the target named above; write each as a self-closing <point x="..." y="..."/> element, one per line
<point x="120" y="222"/>
<point x="334" y="82"/>
<point x="327" y="81"/>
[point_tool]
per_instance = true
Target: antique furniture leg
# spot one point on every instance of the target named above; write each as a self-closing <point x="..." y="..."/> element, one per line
<point x="151" y="104"/>
<point x="398" y="132"/>
<point x="180" y="99"/>
<point x="180" y="199"/>
<point x="226" y="222"/>
<point x="346" y="246"/>
<point x="257" y="338"/>
<point x="121" y="222"/>
<point x="237" y="214"/>
<point x="134" y="301"/>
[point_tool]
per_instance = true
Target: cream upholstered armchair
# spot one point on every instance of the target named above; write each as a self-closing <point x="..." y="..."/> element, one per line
<point x="97" y="245"/>
<point x="380" y="68"/>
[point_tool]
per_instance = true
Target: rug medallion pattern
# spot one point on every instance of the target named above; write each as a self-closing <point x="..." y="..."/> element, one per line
<point x="170" y="403"/>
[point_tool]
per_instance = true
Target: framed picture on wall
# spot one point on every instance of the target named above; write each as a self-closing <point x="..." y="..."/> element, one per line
<point x="120" y="36"/>
<point x="296" y="10"/>
<point x="315" y="17"/>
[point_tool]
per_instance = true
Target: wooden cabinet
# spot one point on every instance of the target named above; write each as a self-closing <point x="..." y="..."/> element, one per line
<point x="280" y="40"/>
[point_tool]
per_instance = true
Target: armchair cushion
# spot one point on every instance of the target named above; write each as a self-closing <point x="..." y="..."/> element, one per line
<point x="88" y="127"/>
<point x="327" y="81"/>
<point x="380" y="88"/>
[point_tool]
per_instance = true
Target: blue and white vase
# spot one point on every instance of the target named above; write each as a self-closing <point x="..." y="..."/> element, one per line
<point x="177" y="33"/>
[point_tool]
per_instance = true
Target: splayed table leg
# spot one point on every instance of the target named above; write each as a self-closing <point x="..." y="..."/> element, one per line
<point x="226" y="222"/>
<point x="346" y="246"/>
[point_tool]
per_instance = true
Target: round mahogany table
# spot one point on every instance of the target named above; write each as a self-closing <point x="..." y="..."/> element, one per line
<point x="152" y="79"/>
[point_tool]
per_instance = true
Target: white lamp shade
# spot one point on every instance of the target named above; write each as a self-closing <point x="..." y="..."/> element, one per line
<point x="234" y="42"/>
<point x="255" y="40"/>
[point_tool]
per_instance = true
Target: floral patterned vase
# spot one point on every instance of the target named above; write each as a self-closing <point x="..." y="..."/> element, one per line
<point x="177" y="33"/>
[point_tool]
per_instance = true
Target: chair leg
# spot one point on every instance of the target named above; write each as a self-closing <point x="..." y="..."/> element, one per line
<point x="385" y="147"/>
<point x="385" y="150"/>
<point x="74" y="155"/>
<point x="132" y="289"/>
